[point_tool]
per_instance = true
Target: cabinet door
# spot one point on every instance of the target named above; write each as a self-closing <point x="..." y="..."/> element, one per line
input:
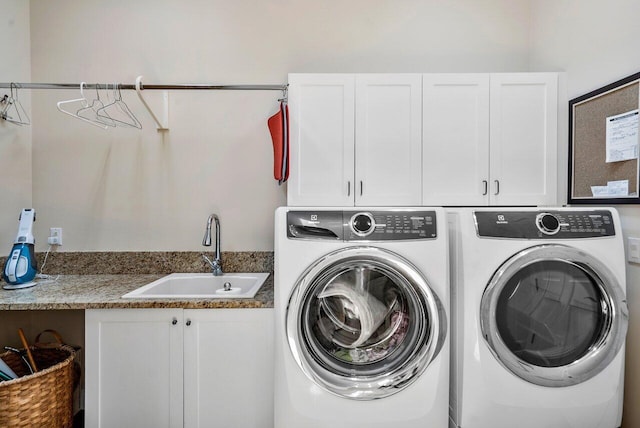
<point x="228" y="371"/>
<point x="133" y="374"/>
<point x="321" y="112"/>
<point x="388" y="139"/>
<point x="523" y="129"/>
<point x="455" y="158"/>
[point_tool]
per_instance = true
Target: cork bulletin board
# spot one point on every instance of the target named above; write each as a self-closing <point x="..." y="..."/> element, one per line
<point x="603" y="144"/>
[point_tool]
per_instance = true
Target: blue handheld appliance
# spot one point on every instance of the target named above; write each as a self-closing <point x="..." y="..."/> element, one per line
<point x="20" y="268"/>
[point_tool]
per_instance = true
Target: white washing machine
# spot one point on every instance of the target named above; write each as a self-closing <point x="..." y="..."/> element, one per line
<point x="539" y="318"/>
<point x="361" y="304"/>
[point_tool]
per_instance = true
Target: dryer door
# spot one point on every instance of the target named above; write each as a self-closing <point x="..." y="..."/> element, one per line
<point x="363" y="323"/>
<point x="554" y="315"/>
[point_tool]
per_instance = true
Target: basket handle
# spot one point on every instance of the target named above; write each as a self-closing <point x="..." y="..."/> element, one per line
<point x="55" y="334"/>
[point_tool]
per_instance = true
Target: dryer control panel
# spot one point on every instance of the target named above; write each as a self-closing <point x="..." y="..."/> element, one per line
<point x="551" y="224"/>
<point x="354" y="225"/>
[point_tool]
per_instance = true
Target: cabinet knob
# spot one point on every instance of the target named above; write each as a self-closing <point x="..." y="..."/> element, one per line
<point x="188" y="323"/>
<point x="348" y="188"/>
<point x="485" y="183"/>
<point x="360" y="187"/>
<point x="174" y="321"/>
<point x="497" y="183"/>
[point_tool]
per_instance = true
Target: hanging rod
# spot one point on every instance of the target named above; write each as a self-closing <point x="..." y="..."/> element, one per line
<point x="162" y="122"/>
<point x="126" y="86"/>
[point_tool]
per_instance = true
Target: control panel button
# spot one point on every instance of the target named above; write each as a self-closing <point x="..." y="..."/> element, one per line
<point x="548" y="223"/>
<point x="362" y="224"/>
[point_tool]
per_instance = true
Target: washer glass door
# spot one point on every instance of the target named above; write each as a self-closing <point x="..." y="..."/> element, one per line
<point x="363" y="323"/>
<point x="553" y="315"/>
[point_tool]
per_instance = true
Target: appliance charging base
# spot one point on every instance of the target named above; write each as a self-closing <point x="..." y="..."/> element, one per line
<point x="19" y="286"/>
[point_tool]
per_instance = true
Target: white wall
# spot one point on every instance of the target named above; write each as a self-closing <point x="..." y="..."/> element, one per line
<point x="125" y="189"/>
<point x="15" y="141"/>
<point x="597" y="43"/>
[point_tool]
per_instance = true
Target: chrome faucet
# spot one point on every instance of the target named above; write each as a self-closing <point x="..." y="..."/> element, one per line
<point x="216" y="264"/>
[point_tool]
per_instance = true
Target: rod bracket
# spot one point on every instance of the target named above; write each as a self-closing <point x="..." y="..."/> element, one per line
<point x="163" y="122"/>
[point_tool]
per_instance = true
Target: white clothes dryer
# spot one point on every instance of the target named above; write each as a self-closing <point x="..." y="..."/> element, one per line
<point x="361" y="308"/>
<point x="539" y="318"/>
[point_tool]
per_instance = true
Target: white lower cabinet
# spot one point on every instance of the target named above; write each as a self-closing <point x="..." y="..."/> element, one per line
<point x="228" y="368"/>
<point x="179" y="368"/>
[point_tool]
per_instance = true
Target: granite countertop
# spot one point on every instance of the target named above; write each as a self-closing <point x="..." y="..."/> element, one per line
<point x="71" y="288"/>
<point x="105" y="291"/>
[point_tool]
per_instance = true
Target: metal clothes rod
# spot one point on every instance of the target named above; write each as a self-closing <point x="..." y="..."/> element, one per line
<point x="161" y="121"/>
<point x="125" y="86"/>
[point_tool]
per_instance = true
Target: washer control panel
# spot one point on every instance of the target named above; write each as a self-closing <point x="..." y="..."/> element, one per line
<point x="390" y="225"/>
<point x="550" y="224"/>
<point x="384" y="225"/>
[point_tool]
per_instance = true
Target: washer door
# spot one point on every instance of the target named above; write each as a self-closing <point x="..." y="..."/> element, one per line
<point x="363" y="323"/>
<point x="553" y="315"/>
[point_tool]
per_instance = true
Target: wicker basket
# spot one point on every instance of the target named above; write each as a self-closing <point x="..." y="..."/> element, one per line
<point x="42" y="399"/>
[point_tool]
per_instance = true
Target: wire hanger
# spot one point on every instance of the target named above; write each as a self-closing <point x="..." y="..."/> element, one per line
<point x="90" y="112"/>
<point x="84" y="103"/>
<point x="11" y="108"/>
<point x="128" y="118"/>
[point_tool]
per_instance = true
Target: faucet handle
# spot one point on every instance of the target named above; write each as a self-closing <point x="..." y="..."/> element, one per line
<point x="207" y="259"/>
<point x="216" y="268"/>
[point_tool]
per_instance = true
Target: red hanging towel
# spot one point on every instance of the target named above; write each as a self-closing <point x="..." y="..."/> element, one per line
<point x="279" y="129"/>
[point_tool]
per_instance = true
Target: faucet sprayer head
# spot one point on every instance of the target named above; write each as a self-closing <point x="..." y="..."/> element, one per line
<point x="206" y="241"/>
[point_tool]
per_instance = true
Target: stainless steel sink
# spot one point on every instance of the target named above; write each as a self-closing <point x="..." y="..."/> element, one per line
<point x="201" y="285"/>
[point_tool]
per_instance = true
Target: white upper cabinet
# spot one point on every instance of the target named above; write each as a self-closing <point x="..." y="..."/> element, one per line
<point x="524" y="138"/>
<point x="432" y="139"/>
<point x="490" y="139"/>
<point x="388" y="139"/>
<point x="355" y="139"/>
<point x="322" y="139"/>
<point x="455" y="155"/>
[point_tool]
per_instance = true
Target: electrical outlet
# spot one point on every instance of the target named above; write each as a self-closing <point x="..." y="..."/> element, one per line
<point x="55" y="236"/>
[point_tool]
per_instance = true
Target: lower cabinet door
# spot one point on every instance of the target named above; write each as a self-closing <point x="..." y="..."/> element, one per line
<point x="228" y="368"/>
<point x="133" y="369"/>
<point x="157" y="368"/>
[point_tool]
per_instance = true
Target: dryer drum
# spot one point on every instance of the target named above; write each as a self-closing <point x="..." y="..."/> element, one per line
<point x="553" y="315"/>
<point x="363" y="323"/>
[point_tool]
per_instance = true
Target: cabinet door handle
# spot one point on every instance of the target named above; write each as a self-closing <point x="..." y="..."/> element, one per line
<point x="348" y="188"/>
<point x="486" y="187"/>
<point x="188" y="323"/>
<point x="497" y="183"/>
<point x="360" y="187"/>
<point x="174" y="321"/>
